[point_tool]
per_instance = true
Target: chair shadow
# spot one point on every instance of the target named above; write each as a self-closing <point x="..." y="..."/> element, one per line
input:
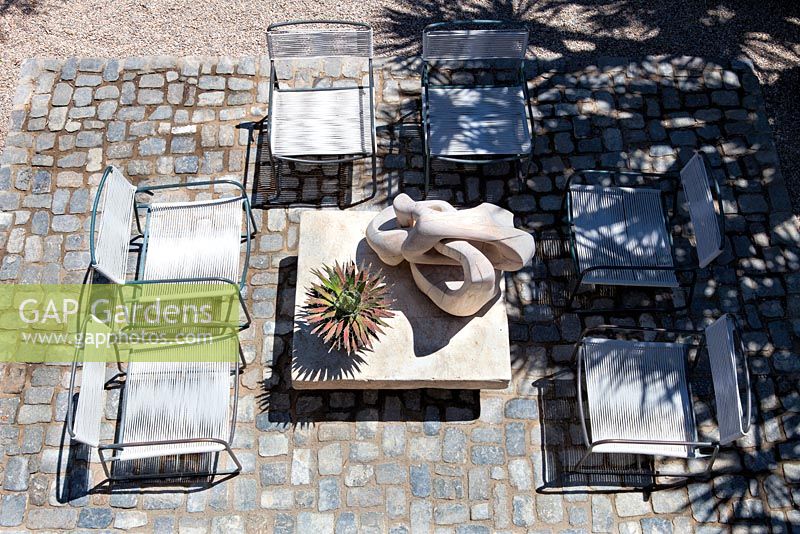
<point x="74" y="484"/>
<point x="562" y="447"/>
<point x="72" y="475"/>
<point x="460" y="184"/>
<point x="279" y="183"/>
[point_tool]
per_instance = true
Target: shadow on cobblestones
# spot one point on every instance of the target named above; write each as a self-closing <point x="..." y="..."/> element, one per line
<point x="280" y="183"/>
<point x="72" y="471"/>
<point x="764" y="32"/>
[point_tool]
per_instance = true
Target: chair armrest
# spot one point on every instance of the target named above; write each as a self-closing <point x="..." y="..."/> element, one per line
<point x="615" y="328"/>
<point x="653" y="442"/>
<point x="276" y="25"/>
<point x="148" y="189"/>
<point x="211" y="441"/>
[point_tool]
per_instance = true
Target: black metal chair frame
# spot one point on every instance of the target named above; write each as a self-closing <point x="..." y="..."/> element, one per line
<point x="691" y="364"/>
<point x="669" y="214"/>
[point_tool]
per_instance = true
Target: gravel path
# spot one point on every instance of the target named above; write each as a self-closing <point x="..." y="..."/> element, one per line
<point x="767" y="32"/>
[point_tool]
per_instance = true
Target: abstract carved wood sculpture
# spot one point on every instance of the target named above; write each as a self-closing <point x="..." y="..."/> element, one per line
<point x="435" y="239"/>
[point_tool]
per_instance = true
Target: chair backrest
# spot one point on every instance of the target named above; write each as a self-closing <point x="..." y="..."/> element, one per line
<point x="446" y="43"/>
<point x="111" y="222"/>
<point x="89" y="409"/>
<point x="733" y="412"/>
<point x="702" y="210"/>
<point x="355" y="41"/>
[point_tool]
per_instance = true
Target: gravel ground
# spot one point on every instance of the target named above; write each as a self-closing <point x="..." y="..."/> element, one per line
<point x="767" y="32"/>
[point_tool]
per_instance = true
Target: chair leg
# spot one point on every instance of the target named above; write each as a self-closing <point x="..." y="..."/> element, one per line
<point x="579" y="465"/>
<point x="374" y="175"/>
<point x="523" y="177"/>
<point x="568" y="308"/>
<point x="427" y="175"/>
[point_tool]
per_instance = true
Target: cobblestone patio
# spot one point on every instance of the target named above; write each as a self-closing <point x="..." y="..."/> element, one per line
<point x="402" y="461"/>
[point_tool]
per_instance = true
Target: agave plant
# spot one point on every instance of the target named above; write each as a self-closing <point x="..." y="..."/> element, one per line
<point x="346" y="307"/>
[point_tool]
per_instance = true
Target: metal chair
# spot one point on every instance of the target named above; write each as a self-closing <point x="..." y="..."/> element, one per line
<point x="619" y="236"/>
<point x="321" y="125"/>
<point x="639" y="396"/>
<point x="181" y="242"/>
<point x="475" y="124"/>
<point x="177" y="412"/>
<point x="176" y="404"/>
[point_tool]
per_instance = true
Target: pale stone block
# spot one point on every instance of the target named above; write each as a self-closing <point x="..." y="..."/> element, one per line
<point x="423" y="345"/>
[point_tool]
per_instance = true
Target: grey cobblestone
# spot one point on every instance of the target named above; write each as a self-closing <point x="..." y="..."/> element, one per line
<point x="52" y="518"/>
<point x="12" y="509"/>
<point x="330" y="459"/>
<point x="16" y="475"/>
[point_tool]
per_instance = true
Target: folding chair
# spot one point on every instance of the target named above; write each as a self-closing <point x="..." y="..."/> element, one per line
<point x="639" y="397"/>
<point x="475" y="124"/>
<point x="176" y="413"/>
<point x="619" y="236"/>
<point x="316" y="125"/>
<point x="194" y="242"/>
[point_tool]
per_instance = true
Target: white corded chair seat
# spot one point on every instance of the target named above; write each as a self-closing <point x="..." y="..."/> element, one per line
<point x="638" y="391"/>
<point x="178" y="400"/>
<point x="476" y="121"/>
<point x="91" y="401"/>
<point x="193" y="240"/>
<point x="625" y="227"/>
<point x="323" y="122"/>
<point x="111" y="248"/>
<point x="707" y="230"/>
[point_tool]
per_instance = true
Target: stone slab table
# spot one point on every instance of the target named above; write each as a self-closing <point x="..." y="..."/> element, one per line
<point x="423" y="347"/>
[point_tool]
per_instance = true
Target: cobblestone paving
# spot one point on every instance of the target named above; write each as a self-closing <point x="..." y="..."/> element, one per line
<point x="405" y="461"/>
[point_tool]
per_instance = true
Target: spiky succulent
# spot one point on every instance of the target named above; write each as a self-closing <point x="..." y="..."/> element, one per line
<point x="346" y="307"/>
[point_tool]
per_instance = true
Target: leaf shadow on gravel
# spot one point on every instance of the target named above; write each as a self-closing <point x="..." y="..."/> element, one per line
<point x="26" y="7"/>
